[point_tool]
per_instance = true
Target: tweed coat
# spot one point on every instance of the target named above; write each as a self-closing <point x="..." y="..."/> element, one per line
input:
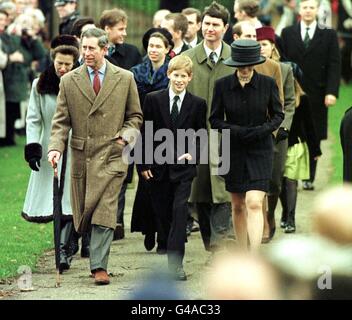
<point x="206" y="187"/>
<point x="289" y="95"/>
<point x="320" y="63"/>
<point x="97" y="167"/>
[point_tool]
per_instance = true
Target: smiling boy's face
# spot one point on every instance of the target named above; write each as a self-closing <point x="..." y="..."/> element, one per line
<point x="179" y="80"/>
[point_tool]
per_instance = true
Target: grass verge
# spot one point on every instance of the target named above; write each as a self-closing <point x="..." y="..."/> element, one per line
<point x="22" y="243"/>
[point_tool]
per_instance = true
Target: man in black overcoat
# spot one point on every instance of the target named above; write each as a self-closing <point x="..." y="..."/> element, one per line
<point x="68" y="13"/>
<point x="315" y="50"/>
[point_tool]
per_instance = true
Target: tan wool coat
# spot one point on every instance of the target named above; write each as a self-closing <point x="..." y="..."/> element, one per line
<point x="97" y="168"/>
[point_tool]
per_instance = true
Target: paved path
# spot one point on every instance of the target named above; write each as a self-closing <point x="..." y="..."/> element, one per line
<point x="130" y="263"/>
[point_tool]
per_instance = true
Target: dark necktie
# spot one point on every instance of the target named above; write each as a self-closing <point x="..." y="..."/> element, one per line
<point x="306" y="38"/>
<point x="174" y="111"/>
<point x="212" y="57"/>
<point x="111" y="50"/>
<point x="96" y="82"/>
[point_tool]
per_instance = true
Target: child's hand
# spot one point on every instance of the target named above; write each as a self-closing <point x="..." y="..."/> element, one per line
<point x="186" y="156"/>
<point x="147" y="174"/>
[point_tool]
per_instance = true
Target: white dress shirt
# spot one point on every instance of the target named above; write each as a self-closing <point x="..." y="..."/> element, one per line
<point x="217" y="51"/>
<point x="101" y="73"/>
<point x="193" y="43"/>
<point x="311" y="30"/>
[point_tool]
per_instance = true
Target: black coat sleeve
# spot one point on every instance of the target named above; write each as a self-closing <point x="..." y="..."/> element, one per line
<point x="346" y="144"/>
<point x="333" y="66"/>
<point x="147" y="116"/>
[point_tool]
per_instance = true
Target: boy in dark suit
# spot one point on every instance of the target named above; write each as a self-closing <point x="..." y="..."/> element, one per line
<point x="174" y="110"/>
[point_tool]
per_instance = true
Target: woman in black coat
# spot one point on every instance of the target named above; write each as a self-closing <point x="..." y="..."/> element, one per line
<point x="251" y="104"/>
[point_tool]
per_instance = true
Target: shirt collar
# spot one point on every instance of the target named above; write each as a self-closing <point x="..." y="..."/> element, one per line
<point x="102" y="70"/>
<point x="311" y="27"/>
<point x="178" y="50"/>
<point x="209" y="51"/>
<point x="172" y="95"/>
<point x="193" y="43"/>
<point x="253" y="82"/>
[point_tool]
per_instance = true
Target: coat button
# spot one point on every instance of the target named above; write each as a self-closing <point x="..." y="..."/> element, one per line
<point x="88" y="159"/>
<point x="104" y="115"/>
<point x="101" y="158"/>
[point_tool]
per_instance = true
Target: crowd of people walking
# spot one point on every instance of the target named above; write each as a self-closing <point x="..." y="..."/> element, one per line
<point x="92" y="92"/>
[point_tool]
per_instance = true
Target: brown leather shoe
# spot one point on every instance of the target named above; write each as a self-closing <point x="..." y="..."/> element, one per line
<point x="101" y="277"/>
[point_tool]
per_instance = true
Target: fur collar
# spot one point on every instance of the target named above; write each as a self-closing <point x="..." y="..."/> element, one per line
<point x="48" y="82"/>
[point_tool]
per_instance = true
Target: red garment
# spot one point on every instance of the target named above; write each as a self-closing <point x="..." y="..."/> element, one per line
<point x="172" y="54"/>
<point x="96" y="82"/>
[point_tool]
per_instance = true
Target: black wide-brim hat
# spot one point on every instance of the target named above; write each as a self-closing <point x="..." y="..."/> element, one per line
<point x="244" y="52"/>
<point x="163" y="31"/>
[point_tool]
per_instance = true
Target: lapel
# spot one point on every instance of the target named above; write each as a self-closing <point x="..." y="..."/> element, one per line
<point x="297" y="38"/>
<point x="202" y="56"/>
<point x="164" y="107"/>
<point x="120" y="49"/>
<point x="200" y="53"/>
<point x="111" y="79"/>
<point x="82" y="80"/>
<point x="315" y="41"/>
<point x="185" y="109"/>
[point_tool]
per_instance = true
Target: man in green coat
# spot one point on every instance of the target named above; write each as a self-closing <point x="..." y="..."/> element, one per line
<point x="208" y="191"/>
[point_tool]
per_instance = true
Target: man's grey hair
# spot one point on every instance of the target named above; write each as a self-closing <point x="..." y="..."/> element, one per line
<point x="100" y="34"/>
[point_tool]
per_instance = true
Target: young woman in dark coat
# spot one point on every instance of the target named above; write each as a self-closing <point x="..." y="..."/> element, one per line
<point x="251" y="104"/>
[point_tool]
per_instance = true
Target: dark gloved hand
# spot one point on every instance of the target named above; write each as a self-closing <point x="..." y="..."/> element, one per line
<point x="252" y="134"/>
<point x="282" y="134"/>
<point x="34" y="164"/>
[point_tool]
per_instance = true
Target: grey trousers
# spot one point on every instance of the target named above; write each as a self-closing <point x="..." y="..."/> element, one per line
<point x="100" y="242"/>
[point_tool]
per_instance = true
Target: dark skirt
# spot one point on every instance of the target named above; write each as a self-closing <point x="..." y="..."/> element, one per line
<point x="246" y="184"/>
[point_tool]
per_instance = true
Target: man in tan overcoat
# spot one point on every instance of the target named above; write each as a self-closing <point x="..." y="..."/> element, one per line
<point x="100" y="103"/>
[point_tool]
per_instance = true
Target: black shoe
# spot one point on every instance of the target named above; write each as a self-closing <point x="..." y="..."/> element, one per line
<point x="307" y="185"/>
<point x="74" y="247"/>
<point x="189" y="228"/>
<point x="119" y="232"/>
<point x="149" y="241"/>
<point x="290" y="228"/>
<point x="283" y="224"/>
<point x="180" y="274"/>
<point x="64" y="262"/>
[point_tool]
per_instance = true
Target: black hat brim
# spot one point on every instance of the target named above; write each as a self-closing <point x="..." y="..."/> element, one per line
<point x="163" y="31"/>
<point x="232" y="63"/>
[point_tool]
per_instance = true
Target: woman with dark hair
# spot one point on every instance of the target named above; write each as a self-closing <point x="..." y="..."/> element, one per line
<point x="150" y="75"/>
<point x="38" y="205"/>
<point x="251" y="105"/>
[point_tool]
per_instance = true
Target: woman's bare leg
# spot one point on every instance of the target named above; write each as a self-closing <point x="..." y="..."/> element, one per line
<point x="255" y="221"/>
<point x="239" y="218"/>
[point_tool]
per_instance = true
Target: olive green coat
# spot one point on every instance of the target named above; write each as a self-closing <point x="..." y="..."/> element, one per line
<point x="97" y="168"/>
<point x="206" y="187"/>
